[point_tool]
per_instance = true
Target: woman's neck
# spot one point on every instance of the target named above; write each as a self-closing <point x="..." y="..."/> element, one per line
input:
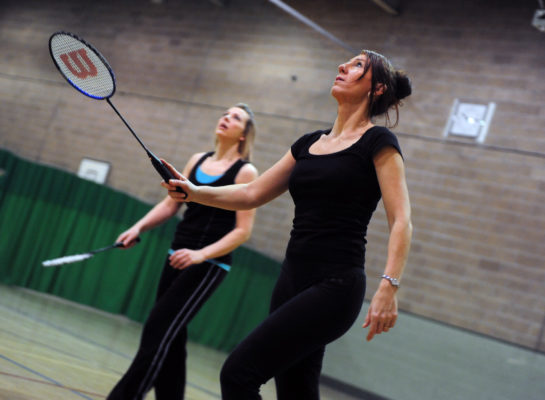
<point x="226" y="152"/>
<point x="352" y="119"/>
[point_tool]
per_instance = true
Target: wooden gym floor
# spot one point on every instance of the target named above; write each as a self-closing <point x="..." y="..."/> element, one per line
<point x="54" y="349"/>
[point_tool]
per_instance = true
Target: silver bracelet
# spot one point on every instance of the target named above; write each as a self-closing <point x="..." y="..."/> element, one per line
<point x="393" y="281"/>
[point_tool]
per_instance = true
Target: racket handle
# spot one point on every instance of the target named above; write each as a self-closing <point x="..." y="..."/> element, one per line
<point x="163" y="170"/>
<point x="120" y="244"/>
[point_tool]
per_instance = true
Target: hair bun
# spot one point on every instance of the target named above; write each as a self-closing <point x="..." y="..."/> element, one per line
<point x="403" y="85"/>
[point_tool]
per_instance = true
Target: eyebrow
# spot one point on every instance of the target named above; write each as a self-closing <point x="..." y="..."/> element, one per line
<point x="235" y="113"/>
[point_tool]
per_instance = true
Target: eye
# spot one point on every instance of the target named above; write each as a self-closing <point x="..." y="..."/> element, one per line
<point x="236" y="117"/>
<point x="359" y="64"/>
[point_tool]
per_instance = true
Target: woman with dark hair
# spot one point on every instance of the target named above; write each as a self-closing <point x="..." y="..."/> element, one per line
<point x="336" y="178"/>
<point x="199" y="259"/>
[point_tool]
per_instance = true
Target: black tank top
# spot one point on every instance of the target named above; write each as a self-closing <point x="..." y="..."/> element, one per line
<point x="335" y="196"/>
<point x="202" y="225"/>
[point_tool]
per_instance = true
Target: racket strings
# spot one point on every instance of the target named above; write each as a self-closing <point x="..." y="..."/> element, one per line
<point x="82" y="66"/>
<point x="66" y="259"/>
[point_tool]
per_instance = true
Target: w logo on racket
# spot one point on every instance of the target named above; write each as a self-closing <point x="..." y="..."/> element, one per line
<point x="79" y="64"/>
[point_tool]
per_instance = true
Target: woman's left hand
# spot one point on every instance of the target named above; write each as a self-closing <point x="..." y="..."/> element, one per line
<point x="183" y="258"/>
<point x="382" y="313"/>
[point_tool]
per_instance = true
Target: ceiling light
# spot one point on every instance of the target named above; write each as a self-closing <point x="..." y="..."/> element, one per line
<point x="539" y="19"/>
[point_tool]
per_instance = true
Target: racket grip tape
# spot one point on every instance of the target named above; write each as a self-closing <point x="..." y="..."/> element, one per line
<point x="163" y="171"/>
<point x="120" y="244"/>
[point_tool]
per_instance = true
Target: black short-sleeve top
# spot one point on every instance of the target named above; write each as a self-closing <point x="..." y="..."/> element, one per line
<point x="335" y="196"/>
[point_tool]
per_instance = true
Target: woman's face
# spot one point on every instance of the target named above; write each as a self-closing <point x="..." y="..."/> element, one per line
<point x="348" y="84"/>
<point x="232" y="123"/>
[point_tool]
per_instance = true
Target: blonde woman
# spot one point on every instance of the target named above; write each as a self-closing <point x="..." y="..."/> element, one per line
<point x="199" y="259"/>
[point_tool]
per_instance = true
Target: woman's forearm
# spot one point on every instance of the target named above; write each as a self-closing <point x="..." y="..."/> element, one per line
<point x="398" y="247"/>
<point x="158" y="214"/>
<point x="241" y="196"/>
<point x="230" y="197"/>
<point x="226" y="244"/>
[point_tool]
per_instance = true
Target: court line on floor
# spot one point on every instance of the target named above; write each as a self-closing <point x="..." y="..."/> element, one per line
<point x="214" y="395"/>
<point x="53" y="348"/>
<point x="24" y="378"/>
<point x="64" y="330"/>
<point x="49" y="380"/>
<point x="90" y="341"/>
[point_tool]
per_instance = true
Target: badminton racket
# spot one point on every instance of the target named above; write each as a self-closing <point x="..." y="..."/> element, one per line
<point x="80" y="257"/>
<point x="89" y="73"/>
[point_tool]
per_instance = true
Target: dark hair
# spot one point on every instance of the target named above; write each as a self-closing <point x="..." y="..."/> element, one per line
<point x="396" y="86"/>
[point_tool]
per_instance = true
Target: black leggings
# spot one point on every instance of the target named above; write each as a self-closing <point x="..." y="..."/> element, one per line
<point x="290" y="343"/>
<point x="160" y="360"/>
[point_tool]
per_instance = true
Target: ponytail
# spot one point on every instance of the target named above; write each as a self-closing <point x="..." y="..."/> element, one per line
<point x="402" y="85"/>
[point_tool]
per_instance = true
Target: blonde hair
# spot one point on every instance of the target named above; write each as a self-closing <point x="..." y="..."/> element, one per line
<point x="245" y="146"/>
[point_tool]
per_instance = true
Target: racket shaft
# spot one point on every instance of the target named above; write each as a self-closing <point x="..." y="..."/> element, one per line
<point x="128" y="126"/>
<point x="157" y="164"/>
<point x="118" y="244"/>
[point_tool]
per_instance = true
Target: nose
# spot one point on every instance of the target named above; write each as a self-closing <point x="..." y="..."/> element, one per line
<point x="342" y="67"/>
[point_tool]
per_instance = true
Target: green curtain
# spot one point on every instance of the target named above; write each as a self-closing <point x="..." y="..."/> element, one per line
<point x="47" y="213"/>
<point x="239" y="304"/>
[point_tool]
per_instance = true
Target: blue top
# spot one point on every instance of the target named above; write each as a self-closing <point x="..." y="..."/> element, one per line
<point x="204" y="178"/>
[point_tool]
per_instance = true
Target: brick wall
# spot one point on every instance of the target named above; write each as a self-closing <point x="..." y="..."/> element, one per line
<point x="478" y="210"/>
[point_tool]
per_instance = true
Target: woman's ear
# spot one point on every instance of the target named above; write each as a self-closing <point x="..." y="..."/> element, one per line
<point x="381" y="87"/>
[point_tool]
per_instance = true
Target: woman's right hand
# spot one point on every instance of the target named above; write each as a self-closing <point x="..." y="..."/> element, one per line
<point x="181" y="182"/>
<point x="129" y="237"/>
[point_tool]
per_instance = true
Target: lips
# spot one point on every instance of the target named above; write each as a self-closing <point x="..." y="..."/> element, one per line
<point x="223" y="126"/>
<point x="339" y="79"/>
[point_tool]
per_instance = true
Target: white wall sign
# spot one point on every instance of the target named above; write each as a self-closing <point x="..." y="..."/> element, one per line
<point x="470" y="120"/>
<point x="94" y="170"/>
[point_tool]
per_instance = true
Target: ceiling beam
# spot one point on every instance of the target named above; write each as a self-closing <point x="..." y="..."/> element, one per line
<point x="390" y="6"/>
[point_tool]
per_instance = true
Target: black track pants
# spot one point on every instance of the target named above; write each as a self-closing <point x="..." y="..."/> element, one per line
<point x="290" y="343"/>
<point x="160" y="360"/>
